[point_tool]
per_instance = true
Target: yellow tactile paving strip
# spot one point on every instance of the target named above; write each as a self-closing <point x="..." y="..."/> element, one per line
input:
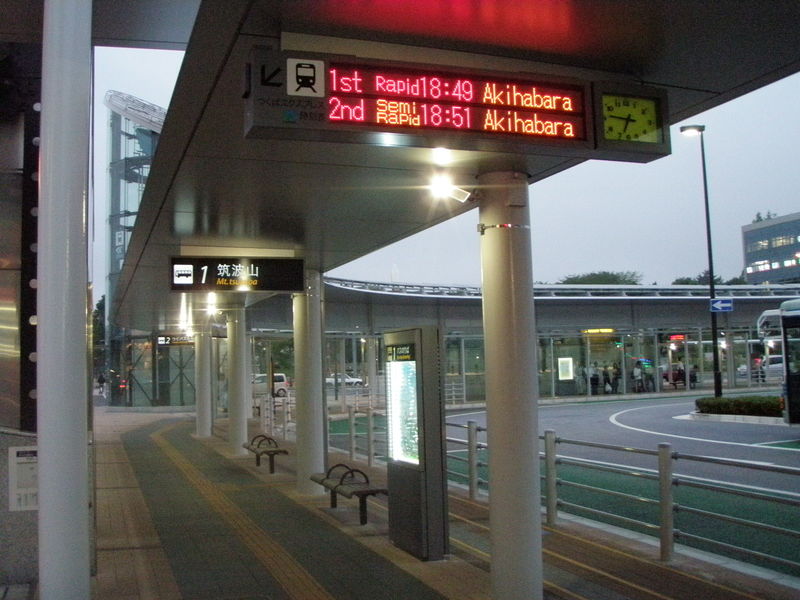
<point x="131" y="563"/>
<point x="293" y="578"/>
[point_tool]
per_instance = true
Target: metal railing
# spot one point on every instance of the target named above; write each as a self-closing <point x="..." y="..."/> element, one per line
<point x="455" y="392"/>
<point x="658" y="500"/>
<point x="276" y="413"/>
<point x="368" y="436"/>
<point x="472" y="461"/>
<point x="664" y="502"/>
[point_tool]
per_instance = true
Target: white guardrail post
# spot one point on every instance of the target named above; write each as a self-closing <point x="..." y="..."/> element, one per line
<point x="551" y="480"/>
<point x="370" y="436"/>
<point x="351" y="418"/>
<point x="665" y="499"/>
<point x="284" y="416"/>
<point x="472" y="458"/>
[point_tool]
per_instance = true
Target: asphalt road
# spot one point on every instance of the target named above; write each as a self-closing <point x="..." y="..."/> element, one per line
<point x="646" y="423"/>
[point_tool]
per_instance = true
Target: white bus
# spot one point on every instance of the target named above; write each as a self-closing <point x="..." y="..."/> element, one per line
<point x="769" y="366"/>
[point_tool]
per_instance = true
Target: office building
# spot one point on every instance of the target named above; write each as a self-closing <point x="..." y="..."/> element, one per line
<point x="772" y="250"/>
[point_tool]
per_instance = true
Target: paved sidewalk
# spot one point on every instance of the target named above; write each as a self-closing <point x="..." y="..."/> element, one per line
<point x="180" y="517"/>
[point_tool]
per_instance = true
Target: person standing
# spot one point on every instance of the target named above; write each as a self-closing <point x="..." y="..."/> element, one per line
<point x="637" y="377"/>
<point x="615" y="375"/>
<point x="594" y="379"/>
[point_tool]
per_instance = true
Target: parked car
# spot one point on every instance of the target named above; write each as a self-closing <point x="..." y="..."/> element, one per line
<point x="280" y="384"/>
<point x="675" y="375"/>
<point x="768" y="369"/>
<point x="343" y="380"/>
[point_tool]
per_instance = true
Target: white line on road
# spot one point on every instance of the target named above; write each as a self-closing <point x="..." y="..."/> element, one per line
<point x="615" y="420"/>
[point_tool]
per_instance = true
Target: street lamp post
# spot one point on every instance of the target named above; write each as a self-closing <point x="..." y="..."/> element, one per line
<point x="697" y="130"/>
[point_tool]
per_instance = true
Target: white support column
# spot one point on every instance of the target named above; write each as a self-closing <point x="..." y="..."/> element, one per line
<point x="308" y="376"/>
<point x="237" y="381"/>
<point x="372" y="367"/>
<point x="62" y="378"/>
<point x="202" y="381"/>
<point x="338" y="374"/>
<point x="511" y="387"/>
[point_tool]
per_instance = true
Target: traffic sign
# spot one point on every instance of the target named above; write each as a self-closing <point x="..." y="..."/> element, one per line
<point x="721" y="304"/>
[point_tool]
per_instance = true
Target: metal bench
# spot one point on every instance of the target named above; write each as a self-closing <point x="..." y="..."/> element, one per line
<point x="262" y="445"/>
<point x="349" y="482"/>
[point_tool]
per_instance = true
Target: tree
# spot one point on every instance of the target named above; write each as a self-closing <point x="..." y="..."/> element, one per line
<point x="99" y="322"/>
<point x="758" y="218"/>
<point x="703" y="279"/>
<point x="738" y="280"/>
<point x="99" y="334"/>
<point x="685" y="281"/>
<point x="605" y="278"/>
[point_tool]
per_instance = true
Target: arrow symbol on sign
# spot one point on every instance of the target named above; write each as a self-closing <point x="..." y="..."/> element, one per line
<point x="267" y="80"/>
<point x="722" y="305"/>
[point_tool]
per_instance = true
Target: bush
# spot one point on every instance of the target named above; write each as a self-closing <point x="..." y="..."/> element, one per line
<point x="754" y="406"/>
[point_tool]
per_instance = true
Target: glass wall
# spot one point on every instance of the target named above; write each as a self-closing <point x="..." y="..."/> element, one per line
<point x="176" y="375"/>
<point x="140" y="373"/>
<point x="586" y="363"/>
<point x="155" y="374"/>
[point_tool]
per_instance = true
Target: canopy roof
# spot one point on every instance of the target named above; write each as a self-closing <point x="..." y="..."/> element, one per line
<point x="213" y="191"/>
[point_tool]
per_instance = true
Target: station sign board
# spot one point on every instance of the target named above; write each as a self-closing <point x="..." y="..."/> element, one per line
<point x="304" y="96"/>
<point x="227" y="274"/>
<point x="178" y="339"/>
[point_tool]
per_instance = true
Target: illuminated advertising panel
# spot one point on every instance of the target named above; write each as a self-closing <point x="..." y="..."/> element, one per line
<point x="402" y="403"/>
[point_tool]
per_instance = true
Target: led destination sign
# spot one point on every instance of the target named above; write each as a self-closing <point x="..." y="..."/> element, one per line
<point x="304" y="96"/>
<point x="431" y="99"/>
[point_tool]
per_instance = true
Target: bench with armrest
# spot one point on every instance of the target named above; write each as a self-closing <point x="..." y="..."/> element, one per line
<point x="349" y="482"/>
<point x="263" y="445"/>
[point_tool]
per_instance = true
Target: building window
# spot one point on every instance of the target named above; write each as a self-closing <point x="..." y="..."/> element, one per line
<point x="783" y="240"/>
<point x="760" y="265"/>
<point x="758" y="245"/>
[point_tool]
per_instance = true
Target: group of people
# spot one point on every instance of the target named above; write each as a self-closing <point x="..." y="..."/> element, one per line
<point x="605" y="379"/>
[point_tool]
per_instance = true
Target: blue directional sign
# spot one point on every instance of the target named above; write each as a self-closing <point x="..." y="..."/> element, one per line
<point x="721" y="304"/>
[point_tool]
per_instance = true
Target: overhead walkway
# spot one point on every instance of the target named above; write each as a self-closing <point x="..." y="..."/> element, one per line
<point x="178" y="517"/>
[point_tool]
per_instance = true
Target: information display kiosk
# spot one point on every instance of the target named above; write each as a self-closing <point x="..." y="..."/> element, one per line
<point x="415" y="420"/>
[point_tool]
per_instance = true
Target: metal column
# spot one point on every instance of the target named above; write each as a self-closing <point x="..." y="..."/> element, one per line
<point x="308" y="370"/>
<point x="63" y="380"/>
<point x="202" y="381"/>
<point x="371" y="359"/>
<point x="511" y="387"/>
<point x="238" y="356"/>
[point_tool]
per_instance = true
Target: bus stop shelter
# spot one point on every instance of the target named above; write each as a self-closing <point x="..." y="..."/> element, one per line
<point x="276" y="147"/>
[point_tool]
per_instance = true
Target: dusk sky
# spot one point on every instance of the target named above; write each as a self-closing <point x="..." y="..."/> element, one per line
<point x="599" y="216"/>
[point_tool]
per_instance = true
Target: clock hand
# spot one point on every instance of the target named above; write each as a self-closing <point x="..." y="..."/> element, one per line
<point x="628" y="119"/>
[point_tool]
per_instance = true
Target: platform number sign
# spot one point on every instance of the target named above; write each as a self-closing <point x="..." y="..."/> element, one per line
<point x="216" y="274"/>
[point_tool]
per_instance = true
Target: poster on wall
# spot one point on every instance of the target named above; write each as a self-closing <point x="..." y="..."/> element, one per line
<point x="23" y="472"/>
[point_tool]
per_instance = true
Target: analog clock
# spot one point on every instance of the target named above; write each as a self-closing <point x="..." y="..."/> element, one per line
<point x="631" y="119"/>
